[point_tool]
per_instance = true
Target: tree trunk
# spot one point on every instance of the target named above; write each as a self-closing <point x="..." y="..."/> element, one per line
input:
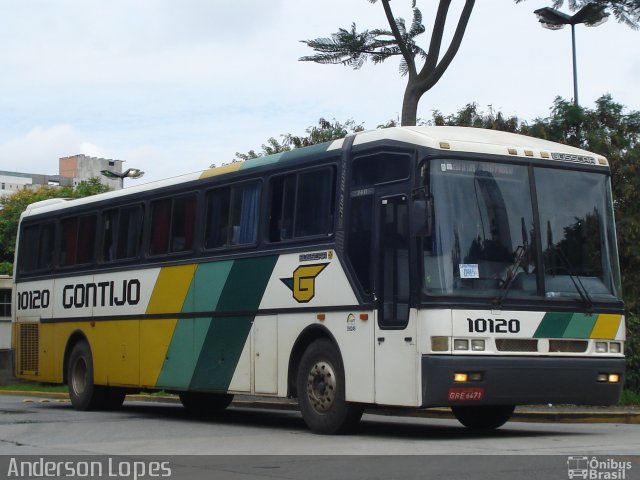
<point x="410" y="105"/>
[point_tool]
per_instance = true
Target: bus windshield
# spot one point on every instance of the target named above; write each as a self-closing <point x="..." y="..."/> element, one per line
<point x="485" y="240"/>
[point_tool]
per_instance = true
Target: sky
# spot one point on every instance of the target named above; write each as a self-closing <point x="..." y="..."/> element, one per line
<point x="172" y="87"/>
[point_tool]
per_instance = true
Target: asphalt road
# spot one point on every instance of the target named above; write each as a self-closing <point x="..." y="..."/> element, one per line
<point x="281" y="447"/>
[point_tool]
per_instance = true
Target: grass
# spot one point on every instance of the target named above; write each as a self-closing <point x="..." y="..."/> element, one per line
<point x="34" y="387"/>
<point x="630" y="398"/>
<point x="51" y="388"/>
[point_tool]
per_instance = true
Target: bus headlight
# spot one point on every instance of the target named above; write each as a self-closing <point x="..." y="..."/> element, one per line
<point x="601" y="347"/>
<point x="460" y="344"/>
<point x="615" y="347"/>
<point x="477" y="345"/>
<point x="439" y="344"/>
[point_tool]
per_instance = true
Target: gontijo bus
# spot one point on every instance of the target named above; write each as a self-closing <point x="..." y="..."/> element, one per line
<point x="411" y="266"/>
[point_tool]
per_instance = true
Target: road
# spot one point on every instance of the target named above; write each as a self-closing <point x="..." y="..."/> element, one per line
<point x="37" y="426"/>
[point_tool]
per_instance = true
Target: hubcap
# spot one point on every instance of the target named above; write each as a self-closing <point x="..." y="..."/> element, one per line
<point x="321" y="386"/>
<point x="79" y="376"/>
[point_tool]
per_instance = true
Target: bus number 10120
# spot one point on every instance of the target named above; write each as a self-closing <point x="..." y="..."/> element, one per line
<point x="490" y="325"/>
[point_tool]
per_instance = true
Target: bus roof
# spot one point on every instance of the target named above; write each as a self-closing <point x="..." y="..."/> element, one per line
<point x="461" y="139"/>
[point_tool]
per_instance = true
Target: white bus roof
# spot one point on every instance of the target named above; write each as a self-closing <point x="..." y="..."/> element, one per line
<point x="451" y="139"/>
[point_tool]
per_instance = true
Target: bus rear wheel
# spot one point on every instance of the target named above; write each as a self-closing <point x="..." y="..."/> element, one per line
<point x="201" y="403"/>
<point x="83" y="393"/>
<point x="321" y="391"/>
<point x="483" y="417"/>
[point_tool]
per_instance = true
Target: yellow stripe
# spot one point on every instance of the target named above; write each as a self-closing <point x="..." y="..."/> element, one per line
<point x="168" y="296"/>
<point x="606" y="326"/>
<point x="212" y="172"/>
<point x="171" y="289"/>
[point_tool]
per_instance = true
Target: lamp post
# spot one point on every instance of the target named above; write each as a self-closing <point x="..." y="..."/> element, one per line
<point x="591" y="15"/>
<point x="128" y="173"/>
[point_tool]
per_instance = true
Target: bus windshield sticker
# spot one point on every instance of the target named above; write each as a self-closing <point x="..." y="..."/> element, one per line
<point x="469" y="270"/>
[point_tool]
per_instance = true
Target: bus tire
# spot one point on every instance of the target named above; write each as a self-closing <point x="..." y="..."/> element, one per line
<point x="321" y="391"/>
<point x="483" y="417"/>
<point x="202" y="403"/>
<point x="84" y="395"/>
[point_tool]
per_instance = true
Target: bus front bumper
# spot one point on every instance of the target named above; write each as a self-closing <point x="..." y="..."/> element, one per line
<point x="519" y="380"/>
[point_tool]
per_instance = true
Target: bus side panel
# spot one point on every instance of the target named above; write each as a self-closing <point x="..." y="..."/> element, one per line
<point x="354" y="337"/>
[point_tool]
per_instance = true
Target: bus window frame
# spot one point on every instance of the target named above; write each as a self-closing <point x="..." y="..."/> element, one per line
<point x="58" y="242"/>
<point x="145" y="252"/>
<point x="333" y="168"/>
<point x="202" y="223"/>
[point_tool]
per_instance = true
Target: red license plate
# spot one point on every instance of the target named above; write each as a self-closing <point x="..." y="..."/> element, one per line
<point x="465" y="394"/>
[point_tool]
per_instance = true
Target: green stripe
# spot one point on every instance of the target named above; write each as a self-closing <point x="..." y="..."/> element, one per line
<point x="226" y="336"/>
<point x="580" y="326"/>
<point x="189" y="335"/>
<point x="565" y="325"/>
<point x="553" y="325"/>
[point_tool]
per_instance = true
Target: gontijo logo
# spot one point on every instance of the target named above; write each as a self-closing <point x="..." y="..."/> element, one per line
<point x="303" y="282"/>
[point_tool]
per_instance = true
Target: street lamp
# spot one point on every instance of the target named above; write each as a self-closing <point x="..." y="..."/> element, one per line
<point x="591" y="15"/>
<point x="128" y="173"/>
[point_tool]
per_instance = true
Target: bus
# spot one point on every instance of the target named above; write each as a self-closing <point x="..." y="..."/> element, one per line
<point x="408" y="267"/>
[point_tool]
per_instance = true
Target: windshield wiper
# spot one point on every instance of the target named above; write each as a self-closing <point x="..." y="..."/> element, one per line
<point x="575" y="279"/>
<point x="520" y="253"/>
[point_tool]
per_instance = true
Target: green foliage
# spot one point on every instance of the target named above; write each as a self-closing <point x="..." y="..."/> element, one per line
<point x="624" y="11"/>
<point x="632" y="352"/>
<point x="324" y="131"/>
<point x="12" y="206"/>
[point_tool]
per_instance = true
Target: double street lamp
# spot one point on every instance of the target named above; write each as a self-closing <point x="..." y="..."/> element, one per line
<point x="128" y="173"/>
<point x="591" y="15"/>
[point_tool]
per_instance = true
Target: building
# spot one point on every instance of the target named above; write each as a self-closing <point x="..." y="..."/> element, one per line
<point x="71" y="171"/>
<point x="6" y="368"/>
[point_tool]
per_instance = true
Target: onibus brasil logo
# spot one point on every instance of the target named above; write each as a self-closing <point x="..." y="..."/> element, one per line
<point x="596" y="469"/>
<point x="303" y="282"/>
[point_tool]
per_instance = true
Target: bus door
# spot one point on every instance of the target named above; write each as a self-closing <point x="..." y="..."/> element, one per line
<point x="395" y="333"/>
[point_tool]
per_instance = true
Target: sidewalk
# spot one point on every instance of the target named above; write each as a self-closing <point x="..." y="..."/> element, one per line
<point x="526" y="413"/>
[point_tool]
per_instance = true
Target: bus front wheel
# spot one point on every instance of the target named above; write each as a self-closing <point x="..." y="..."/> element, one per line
<point x="321" y="390"/>
<point x="483" y="417"/>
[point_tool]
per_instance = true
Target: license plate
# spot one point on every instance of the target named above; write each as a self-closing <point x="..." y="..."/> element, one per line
<point x="466" y="394"/>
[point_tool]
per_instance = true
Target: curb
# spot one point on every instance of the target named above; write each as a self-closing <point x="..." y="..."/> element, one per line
<point x="526" y="414"/>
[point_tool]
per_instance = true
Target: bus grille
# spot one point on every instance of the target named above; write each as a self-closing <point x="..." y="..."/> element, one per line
<point x="27" y="341"/>
<point x="516" y="345"/>
<point x="568" y="346"/>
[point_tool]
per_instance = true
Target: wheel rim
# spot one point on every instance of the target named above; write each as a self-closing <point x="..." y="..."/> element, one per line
<point x="321" y="386"/>
<point x="79" y="376"/>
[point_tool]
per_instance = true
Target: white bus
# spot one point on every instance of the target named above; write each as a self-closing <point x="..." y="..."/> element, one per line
<point x="410" y="267"/>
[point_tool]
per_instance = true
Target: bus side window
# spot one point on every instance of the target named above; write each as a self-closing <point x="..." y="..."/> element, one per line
<point x="301" y="205"/>
<point x="183" y="216"/>
<point x="121" y="233"/>
<point x="77" y="240"/>
<point x="281" y="207"/>
<point x="37" y="244"/>
<point x="232" y="215"/>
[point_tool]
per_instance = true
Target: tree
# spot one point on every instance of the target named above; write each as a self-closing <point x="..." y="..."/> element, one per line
<point x="624" y="11"/>
<point x="352" y="48"/>
<point x="325" y="131"/>
<point x="12" y="206"/>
